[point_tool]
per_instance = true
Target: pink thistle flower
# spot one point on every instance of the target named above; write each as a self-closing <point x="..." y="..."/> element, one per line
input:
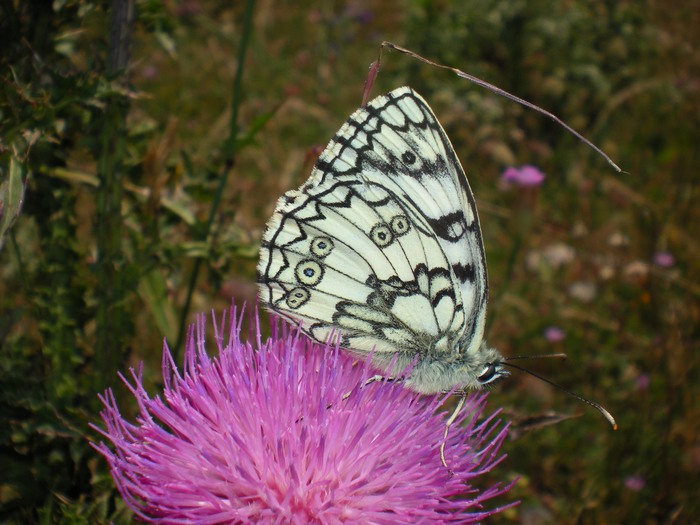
<point x="264" y="433"/>
<point x="524" y="176"/>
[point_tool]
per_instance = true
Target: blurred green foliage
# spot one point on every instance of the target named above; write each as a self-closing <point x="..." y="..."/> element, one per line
<point x="111" y="180"/>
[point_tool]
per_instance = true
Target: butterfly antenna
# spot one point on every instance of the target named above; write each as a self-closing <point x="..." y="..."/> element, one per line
<point x="595" y="405"/>
<point x="537" y="356"/>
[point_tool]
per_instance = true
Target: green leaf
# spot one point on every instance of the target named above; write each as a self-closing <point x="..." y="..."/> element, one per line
<point x="247" y="138"/>
<point x="11" y="197"/>
<point x="154" y="292"/>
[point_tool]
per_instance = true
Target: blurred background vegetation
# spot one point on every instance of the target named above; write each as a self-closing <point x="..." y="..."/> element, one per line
<point x="141" y="156"/>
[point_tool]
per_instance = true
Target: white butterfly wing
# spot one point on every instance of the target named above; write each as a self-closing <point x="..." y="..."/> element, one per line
<point x="383" y="240"/>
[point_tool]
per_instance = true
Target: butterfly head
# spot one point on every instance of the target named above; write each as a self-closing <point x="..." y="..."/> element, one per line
<point x="464" y="371"/>
<point x="488" y="366"/>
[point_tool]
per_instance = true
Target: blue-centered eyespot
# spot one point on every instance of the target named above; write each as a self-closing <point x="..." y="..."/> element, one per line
<point x="309" y="272"/>
<point x="297" y="298"/>
<point x="400" y="225"/>
<point x="381" y="235"/>
<point x="321" y="246"/>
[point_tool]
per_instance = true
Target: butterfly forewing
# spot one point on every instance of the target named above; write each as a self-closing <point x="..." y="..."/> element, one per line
<point x="383" y="241"/>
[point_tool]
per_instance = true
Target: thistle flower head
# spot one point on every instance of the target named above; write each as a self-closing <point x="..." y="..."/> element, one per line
<point x="265" y="432"/>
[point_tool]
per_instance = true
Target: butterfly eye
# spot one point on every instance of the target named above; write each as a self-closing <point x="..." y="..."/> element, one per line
<point x="488" y="374"/>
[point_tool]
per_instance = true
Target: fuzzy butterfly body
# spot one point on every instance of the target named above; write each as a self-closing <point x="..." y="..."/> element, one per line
<point x="382" y="245"/>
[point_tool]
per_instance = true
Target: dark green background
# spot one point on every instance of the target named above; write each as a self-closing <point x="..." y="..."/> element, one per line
<point x="125" y="168"/>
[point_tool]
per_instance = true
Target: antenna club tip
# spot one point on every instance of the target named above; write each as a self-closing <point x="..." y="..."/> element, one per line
<point x="615" y="426"/>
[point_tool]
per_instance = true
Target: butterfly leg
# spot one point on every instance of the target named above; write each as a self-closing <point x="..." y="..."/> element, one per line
<point x="374" y="379"/>
<point x="368" y="382"/>
<point x="451" y="420"/>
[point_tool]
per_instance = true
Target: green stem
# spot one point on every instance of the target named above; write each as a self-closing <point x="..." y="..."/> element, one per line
<point x="111" y="314"/>
<point x="229" y="150"/>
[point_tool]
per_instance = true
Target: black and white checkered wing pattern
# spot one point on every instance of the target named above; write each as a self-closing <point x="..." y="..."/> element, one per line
<point x="382" y="243"/>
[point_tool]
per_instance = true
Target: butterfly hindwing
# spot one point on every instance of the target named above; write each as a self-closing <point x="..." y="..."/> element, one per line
<point x="383" y="240"/>
<point x="341" y="259"/>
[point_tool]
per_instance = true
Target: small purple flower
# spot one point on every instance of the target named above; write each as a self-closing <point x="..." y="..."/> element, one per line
<point x="265" y="433"/>
<point x="634" y="483"/>
<point x="149" y="71"/>
<point x="664" y="259"/>
<point x="642" y="381"/>
<point x="554" y="334"/>
<point x="524" y="176"/>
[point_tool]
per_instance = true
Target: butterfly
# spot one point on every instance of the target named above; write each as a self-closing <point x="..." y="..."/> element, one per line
<point x="382" y="246"/>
